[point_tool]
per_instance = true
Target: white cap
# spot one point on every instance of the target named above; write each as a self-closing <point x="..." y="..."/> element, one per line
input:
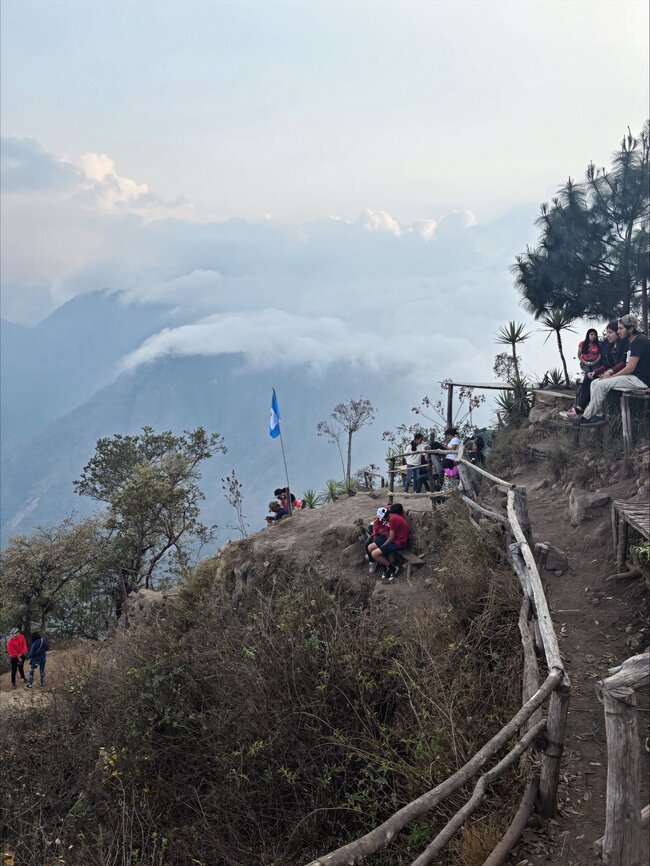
<point x="381" y="513"/>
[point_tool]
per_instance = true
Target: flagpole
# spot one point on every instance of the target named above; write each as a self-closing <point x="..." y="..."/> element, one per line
<point x="286" y="471"/>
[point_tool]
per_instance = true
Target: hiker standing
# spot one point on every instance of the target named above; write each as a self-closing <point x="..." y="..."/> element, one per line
<point x="36" y="658"/>
<point x="16" y="648"/>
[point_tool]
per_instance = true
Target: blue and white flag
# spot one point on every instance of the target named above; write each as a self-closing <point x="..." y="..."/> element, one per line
<point x="274" y="421"/>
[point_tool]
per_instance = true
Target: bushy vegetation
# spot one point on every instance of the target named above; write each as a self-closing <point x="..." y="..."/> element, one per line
<point x="270" y="733"/>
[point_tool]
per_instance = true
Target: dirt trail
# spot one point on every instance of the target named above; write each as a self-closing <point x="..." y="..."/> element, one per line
<point x="596" y="621"/>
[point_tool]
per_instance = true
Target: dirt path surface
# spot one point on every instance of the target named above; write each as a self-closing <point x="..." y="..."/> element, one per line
<point x="599" y="624"/>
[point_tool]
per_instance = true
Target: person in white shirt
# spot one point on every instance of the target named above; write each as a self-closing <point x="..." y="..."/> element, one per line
<point x="452" y="444"/>
<point x="416" y="462"/>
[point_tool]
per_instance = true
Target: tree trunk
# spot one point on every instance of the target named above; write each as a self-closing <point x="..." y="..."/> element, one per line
<point x="349" y="471"/>
<point x="338" y="445"/>
<point x="644" y="304"/>
<point x="566" y="371"/>
<point x="515" y="361"/>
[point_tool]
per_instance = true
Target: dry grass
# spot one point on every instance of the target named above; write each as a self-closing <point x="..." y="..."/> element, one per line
<point x="269" y="734"/>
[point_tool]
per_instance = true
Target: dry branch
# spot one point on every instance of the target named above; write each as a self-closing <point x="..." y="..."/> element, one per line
<point x="517" y="826"/>
<point x="478" y="795"/>
<point x="378" y="838"/>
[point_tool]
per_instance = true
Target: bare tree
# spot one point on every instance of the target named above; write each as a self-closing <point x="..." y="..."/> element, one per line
<point x="348" y="418"/>
<point x="232" y="490"/>
<point x="333" y="431"/>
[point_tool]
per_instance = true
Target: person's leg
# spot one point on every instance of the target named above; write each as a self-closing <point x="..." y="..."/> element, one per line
<point x="409" y="478"/>
<point x="417" y="483"/>
<point x="424" y="480"/>
<point x="30" y="679"/>
<point x="600" y="388"/>
<point x="41" y="666"/>
<point x="14" y="668"/>
<point x="584" y="393"/>
<point x="21" y="668"/>
<point x="379" y="557"/>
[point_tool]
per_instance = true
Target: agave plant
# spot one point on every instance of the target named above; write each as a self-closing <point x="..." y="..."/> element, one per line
<point x="350" y="486"/>
<point x="310" y="498"/>
<point x="332" y="491"/>
<point x="556" y="377"/>
<point x="514" y="405"/>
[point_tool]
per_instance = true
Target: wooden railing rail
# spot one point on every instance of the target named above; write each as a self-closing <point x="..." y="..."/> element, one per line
<point x="624" y="819"/>
<point x="529" y="723"/>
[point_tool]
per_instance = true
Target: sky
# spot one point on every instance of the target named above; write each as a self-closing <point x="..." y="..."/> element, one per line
<point x="303" y="165"/>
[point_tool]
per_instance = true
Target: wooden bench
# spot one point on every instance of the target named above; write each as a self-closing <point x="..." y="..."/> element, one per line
<point x="411" y="559"/>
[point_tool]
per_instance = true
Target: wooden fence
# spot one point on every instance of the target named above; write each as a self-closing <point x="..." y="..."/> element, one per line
<point x="539" y="724"/>
<point x="625" y="821"/>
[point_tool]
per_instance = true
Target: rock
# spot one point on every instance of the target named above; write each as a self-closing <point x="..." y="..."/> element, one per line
<point x="352" y="555"/>
<point x="557" y="558"/>
<point x="538" y="485"/>
<point x="540" y="413"/>
<point x="585" y="506"/>
<point x="143" y="605"/>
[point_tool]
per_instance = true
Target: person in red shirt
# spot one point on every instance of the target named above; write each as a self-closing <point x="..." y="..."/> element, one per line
<point x="16" y="648"/>
<point x="398" y="538"/>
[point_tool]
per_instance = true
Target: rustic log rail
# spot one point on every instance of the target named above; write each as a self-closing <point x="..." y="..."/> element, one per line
<point x="533" y="727"/>
<point x="624" y="818"/>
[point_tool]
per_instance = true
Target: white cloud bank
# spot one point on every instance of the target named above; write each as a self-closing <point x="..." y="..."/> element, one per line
<point x="420" y="300"/>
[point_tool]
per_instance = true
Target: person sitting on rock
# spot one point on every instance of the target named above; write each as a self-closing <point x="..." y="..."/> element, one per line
<point x="398" y="538"/>
<point x="36" y="658"/>
<point x="283" y="495"/>
<point x="612" y="350"/>
<point x="379" y="533"/>
<point x="635" y="375"/>
<point x="277" y="512"/>
<point x="589" y="351"/>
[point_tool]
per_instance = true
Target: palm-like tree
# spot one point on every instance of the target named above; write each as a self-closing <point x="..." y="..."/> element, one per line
<point x="511" y="335"/>
<point x="555" y="322"/>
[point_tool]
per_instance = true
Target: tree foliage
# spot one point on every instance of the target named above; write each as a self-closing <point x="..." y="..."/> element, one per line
<point x="512" y="335"/>
<point x="554" y="322"/>
<point x="592" y="255"/>
<point x="36" y="570"/>
<point x="149" y="483"/>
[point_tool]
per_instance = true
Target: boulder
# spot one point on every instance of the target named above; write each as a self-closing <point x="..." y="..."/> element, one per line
<point x="541" y="413"/>
<point x="584" y="506"/>
<point x="142" y="605"/>
<point x="352" y="555"/>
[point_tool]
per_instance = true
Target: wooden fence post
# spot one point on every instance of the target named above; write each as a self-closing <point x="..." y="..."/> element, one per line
<point x="621" y="548"/>
<point x="558" y="708"/>
<point x="622" y="840"/>
<point x="391" y="479"/>
<point x="626" y="421"/>
<point x="521" y="510"/>
<point x="450" y="405"/>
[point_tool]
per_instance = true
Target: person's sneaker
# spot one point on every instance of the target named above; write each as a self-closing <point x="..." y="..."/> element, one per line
<point x="28" y="685"/>
<point x="579" y="421"/>
<point x="569" y="415"/>
<point x="367" y="558"/>
<point x="13" y="685"/>
<point x="589" y="422"/>
<point x="396" y="570"/>
<point x="372" y="568"/>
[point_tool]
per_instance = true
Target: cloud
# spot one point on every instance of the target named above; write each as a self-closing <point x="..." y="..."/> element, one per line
<point x="409" y="298"/>
<point x="25" y="166"/>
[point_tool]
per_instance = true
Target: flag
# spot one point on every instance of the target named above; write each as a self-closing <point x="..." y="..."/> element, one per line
<point x="274" y="421"/>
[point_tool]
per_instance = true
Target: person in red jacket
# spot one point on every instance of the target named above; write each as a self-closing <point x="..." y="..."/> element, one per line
<point x="398" y="539"/>
<point x="17" y="648"/>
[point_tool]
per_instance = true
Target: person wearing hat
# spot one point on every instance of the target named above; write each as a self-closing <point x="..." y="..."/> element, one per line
<point x="16" y="648"/>
<point x="378" y="536"/>
<point x="277" y="510"/>
<point x="635" y="374"/>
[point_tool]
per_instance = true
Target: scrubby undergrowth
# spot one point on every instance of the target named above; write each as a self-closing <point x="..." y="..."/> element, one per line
<point x="271" y="733"/>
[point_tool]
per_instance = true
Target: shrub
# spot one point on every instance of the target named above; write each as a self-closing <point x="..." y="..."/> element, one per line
<point x="272" y="733"/>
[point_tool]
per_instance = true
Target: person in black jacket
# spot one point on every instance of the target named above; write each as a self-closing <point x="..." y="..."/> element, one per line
<point x="36" y="656"/>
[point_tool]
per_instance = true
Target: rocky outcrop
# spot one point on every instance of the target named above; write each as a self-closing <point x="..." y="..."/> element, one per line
<point x="143" y="606"/>
<point x="584" y="505"/>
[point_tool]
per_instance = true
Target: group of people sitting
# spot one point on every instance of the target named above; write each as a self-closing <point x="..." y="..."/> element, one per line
<point x="279" y="507"/>
<point x="389" y="532"/>
<point x="620" y="361"/>
<point x="19" y="654"/>
<point x="427" y="470"/>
